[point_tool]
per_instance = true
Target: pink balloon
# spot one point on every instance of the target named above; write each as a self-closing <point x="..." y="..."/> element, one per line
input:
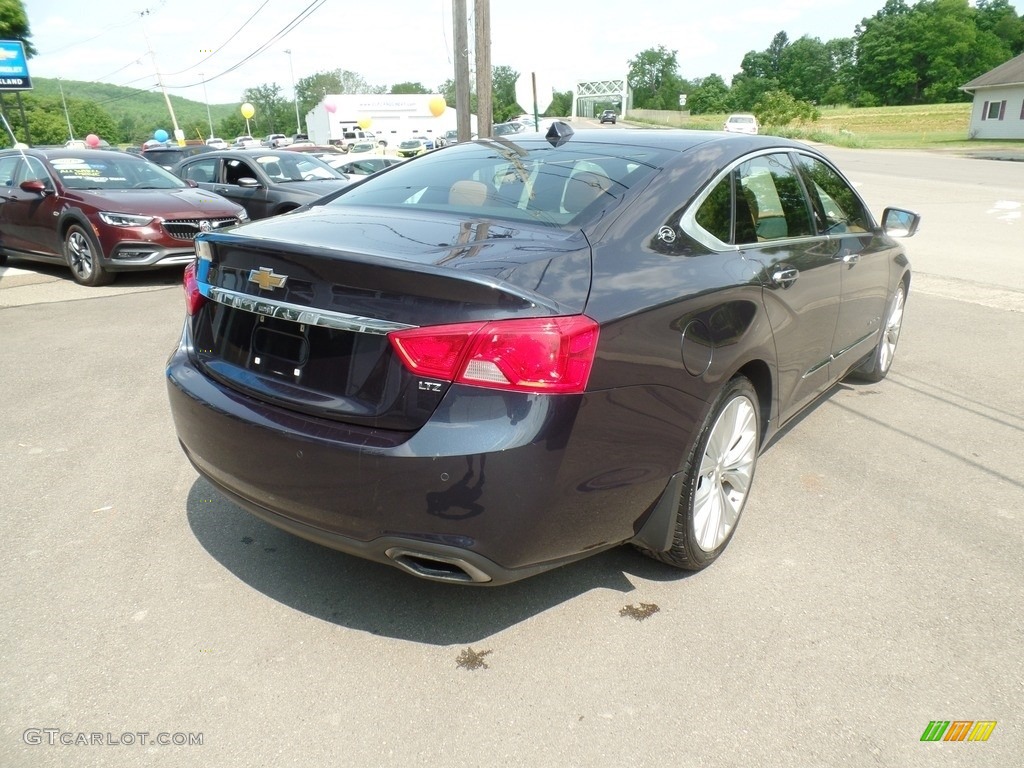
<point x="331" y="107"/>
<point x="92" y="140"/>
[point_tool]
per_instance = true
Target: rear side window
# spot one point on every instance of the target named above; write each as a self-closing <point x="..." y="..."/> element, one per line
<point x="715" y="213"/>
<point x="202" y="171"/>
<point x="7" y="166"/>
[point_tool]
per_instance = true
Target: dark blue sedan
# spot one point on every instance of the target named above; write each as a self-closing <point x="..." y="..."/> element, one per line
<point x="510" y="354"/>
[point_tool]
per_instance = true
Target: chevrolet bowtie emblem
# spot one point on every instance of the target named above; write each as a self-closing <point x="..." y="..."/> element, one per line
<point x="265" y="278"/>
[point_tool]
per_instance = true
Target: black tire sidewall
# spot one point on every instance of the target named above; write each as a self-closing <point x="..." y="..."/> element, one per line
<point x="97" y="276"/>
<point x="685" y="548"/>
<point x="871" y="370"/>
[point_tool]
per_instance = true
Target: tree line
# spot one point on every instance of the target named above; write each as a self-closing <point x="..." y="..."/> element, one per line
<point x="903" y="54"/>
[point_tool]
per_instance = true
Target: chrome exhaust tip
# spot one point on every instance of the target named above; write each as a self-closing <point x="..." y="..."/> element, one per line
<point x="428" y="565"/>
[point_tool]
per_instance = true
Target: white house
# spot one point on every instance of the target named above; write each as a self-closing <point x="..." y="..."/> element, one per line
<point x="391" y="116"/>
<point x="998" y="110"/>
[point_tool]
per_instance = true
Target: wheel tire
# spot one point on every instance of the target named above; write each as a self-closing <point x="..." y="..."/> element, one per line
<point x="719" y="473"/>
<point x="877" y="366"/>
<point x="83" y="255"/>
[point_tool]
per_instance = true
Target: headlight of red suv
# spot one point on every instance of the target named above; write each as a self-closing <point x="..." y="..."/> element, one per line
<point x="125" y="219"/>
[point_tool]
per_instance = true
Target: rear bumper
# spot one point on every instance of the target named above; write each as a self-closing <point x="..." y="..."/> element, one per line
<point x="496" y="486"/>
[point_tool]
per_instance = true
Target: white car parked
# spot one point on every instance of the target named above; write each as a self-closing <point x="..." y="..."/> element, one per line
<point x="741" y="123"/>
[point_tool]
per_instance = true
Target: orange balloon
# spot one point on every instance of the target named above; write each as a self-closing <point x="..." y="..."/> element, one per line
<point x="437" y="106"/>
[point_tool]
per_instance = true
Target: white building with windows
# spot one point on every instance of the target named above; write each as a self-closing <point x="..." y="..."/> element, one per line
<point x="998" y="111"/>
<point x="392" y="117"/>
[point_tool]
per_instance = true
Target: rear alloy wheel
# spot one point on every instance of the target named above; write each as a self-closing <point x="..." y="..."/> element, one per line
<point x="83" y="256"/>
<point x="876" y="367"/>
<point x="719" y="471"/>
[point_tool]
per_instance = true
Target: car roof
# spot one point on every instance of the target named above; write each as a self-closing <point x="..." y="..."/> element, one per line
<point x="249" y="152"/>
<point x="49" y="153"/>
<point x="678" y="139"/>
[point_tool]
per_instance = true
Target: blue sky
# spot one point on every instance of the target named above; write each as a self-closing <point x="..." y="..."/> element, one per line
<point x="390" y="41"/>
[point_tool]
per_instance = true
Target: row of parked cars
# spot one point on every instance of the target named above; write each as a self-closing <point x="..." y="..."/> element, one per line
<point x="102" y="212"/>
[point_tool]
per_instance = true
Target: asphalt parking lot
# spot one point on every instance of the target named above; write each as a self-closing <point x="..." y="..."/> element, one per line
<point x="874" y="585"/>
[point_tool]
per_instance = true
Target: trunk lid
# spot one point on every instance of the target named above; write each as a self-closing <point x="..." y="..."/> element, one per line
<point x="302" y="304"/>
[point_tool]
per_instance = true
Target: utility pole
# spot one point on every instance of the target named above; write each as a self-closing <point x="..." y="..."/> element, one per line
<point x="71" y="133"/>
<point x="295" y="93"/>
<point x="178" y="133"/>
<point x="206" y="98"/>
<point x="461" y="35"/>
<point x="484" y="79"/>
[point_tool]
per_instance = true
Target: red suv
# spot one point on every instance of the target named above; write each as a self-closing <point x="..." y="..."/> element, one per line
<point x="102" y="212"/>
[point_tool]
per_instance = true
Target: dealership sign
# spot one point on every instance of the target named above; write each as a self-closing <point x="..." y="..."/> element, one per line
<point x="13" y="67"/>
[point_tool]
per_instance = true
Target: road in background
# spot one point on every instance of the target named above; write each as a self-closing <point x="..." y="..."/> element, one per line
<point x="973" y="211"/>
<point x="873" y="586"/>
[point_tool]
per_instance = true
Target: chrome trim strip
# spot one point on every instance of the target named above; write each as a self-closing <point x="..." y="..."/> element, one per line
<point x="305" y="315"/>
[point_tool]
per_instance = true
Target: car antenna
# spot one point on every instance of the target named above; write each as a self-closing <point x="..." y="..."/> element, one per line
<point x="559" y="133"/>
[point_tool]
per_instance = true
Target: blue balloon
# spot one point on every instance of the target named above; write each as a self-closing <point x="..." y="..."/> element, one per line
<point x="160" y="135"/>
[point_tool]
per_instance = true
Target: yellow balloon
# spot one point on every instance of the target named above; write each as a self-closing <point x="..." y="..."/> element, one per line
<point x="437" y="106"/>
<point x="364" y="122"/>
<point x="248" y="110"/>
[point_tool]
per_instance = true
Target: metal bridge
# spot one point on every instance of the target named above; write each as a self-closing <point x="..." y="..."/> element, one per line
<point x="588" y="93"/>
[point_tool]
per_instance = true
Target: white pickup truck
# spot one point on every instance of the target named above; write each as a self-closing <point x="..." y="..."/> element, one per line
<point x="356" y="136"/>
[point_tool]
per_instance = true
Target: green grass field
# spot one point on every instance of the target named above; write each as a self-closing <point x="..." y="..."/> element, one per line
<point x="930" y="126"/>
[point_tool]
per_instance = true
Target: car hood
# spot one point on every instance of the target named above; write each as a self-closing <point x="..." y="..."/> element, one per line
<point x="187" y="203"/>
<point x="545" y="266"/>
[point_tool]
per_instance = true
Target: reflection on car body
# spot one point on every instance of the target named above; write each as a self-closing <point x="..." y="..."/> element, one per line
<point x="363" y="166"/>
<point x="513" y="353"/>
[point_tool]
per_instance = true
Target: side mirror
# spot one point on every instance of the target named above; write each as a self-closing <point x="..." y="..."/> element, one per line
<point x="192" y="183"/>
<point x="35" y="185"/>
<point x="899" y="222"/>
<point x="248" y="182"/>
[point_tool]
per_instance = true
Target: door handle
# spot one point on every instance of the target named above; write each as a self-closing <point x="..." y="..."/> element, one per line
<point x="785" y="277"/>
<point x="851" y="258"/>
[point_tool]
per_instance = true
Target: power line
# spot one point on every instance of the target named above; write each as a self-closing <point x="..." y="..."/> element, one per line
<point x="296" y="21"/>
<point x="222" y="45"/>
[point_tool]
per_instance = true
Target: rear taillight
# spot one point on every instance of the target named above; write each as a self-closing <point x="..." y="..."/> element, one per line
<point x="193" y="298"/>
<point x="543" y="354"/>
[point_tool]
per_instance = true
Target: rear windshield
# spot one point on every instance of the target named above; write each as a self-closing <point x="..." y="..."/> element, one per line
<point x="525" y="180"/>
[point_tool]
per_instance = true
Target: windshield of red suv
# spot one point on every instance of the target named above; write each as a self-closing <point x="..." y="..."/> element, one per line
<point x="113" y="172"/>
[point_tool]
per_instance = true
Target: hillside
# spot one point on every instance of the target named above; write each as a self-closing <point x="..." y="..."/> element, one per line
<point x="132" y="108"/>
